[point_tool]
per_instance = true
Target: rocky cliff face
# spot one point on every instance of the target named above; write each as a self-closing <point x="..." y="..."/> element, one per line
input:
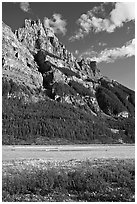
<point x="34" y="58"/>
<point x="48" y="95"/>
<point x="18" y="63"/>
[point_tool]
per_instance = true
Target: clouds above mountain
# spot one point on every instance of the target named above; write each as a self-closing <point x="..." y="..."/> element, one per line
<point x="123" y="12"/>
<point x="89" y="53"/>
<point x="102" y="44"/>
<point x="56" y="23"/>
<point x="110" y="55"/>
<point x="25" y="6"/>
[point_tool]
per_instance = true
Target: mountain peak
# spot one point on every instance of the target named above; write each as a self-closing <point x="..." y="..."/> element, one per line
<point x="37" y="66"/>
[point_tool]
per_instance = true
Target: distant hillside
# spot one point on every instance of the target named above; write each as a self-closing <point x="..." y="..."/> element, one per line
<point x="50" y="97"/>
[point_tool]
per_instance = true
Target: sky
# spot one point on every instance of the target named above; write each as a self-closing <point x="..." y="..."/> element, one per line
<point x="101" y="31"/>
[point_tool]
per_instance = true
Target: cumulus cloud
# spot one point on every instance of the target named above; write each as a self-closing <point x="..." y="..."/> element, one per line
<point x="56" y="23"/>
<point x="90" y="53"/>
<point x="25" y="6"/>
<point x="102" y="44"/>
<point x="110" y="55"/>
<point x="76" y="52"/>
<point x="123" y="12"/>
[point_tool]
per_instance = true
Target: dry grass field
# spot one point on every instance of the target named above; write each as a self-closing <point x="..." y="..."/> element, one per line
<point x="67" y="152"/>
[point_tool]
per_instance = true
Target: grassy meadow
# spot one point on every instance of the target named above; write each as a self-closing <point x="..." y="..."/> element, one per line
<point x="96" y="180"/>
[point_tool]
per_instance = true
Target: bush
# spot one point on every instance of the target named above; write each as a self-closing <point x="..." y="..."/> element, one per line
<point x="106" y="180"/>
<point x="109" y="102"/>
<point x="68" y="72"/>
<point x="11" y="87"/>
<point x="50" y="119"/>
<point x="79" y="88"/>
<point x="126" y="126"/>
<point x="125" y="95"/>
<point x="6" y="87"/>
<point x="62" y="89"/>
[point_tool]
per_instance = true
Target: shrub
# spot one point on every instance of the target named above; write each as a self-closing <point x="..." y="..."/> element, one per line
<point x="109" y="102"/>
<point x="62" y="89"/>
<point x="126" y="126"/>
<point x="6" y="87"/>
<point x="79" y="88"/>
<point x="125" y="95"/>
<point x="49" y="119"/>
<point x="68" y="72"/>
<point x="100" y="180"/>
<point x="11" y="87"/>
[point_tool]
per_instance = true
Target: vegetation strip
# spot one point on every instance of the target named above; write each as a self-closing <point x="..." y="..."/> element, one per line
<point x="73" y="180"/>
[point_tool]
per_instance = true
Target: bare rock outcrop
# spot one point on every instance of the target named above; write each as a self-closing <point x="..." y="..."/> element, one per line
<point x="18" y="62"/>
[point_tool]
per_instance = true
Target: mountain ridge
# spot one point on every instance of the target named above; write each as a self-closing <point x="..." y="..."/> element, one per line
<point x="37" y="68"/>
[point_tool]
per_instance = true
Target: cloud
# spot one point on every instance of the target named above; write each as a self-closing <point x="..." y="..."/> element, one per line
<point x="25" y="6"/>
<point x="102" y="44"/>
<point x="78" y="35"/>
<point x="76" y="52"/>
<point x="56" y="23"/>
<point x="90" y="53"/>
<point x="123" y="12"/>
<point x="110" y="55"/>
